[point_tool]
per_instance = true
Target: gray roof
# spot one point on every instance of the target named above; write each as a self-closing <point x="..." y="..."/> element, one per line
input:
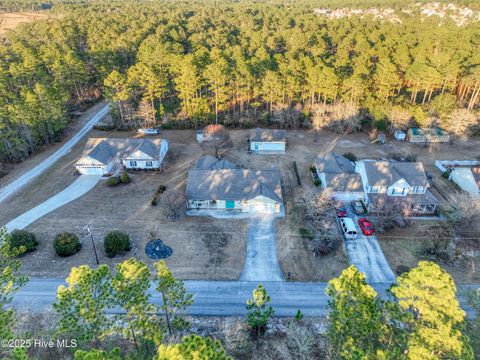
<point x="268" y="135"/>
<point x="104" y="150"/>
<point x="386" y="173"/>
<point x="209" y="162"/>
<point x="344" y="182"/>
<point x="233" y="184"/>
<point x="476" y="174"/>
<point x="334" y="164"/>
<point x="378" y="200"/>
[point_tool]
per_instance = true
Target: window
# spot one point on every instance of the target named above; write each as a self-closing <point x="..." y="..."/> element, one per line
<point x="133" y="163"/>
<point x="148" y="164"/>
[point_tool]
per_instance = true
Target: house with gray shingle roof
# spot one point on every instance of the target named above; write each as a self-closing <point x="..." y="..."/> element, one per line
<point x="338" y="173"/>
<point x="102" y="156"/>
<point x="233" y="189"/>
<point x="267" y="141"/>
<point x="403" y="184"/>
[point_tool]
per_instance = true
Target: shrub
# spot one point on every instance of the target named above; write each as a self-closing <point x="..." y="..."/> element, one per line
<point x="23" y="241"/>
<point x="155" y="201"/>
<point x="446" y="174"/>
<point x="124" y="178"/>
<point x="306" y="233"/>
<point x="317" y="182"/>
<point x="113" y="181"/>
<point x="161" y="189"/>
<point x="350" y="156"/>
<point x="66" y="244"/>
<point x="116" y="242"/>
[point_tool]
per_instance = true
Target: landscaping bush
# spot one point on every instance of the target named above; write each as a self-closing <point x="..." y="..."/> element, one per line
<point x="113" y="181"/>
<point x="116" y="242"/>
<point x="317" y="182"/>
<point x="350" y="156"/>
<point x="124" y="178"/>
<point x="23" y="240"/>
<point x="155" y="201"/>
<point x="161" y="189"/>
<point x="446" y="174"/>
<point x="66" y="244"/>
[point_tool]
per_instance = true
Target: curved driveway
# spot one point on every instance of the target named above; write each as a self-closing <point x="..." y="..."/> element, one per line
<point x="18" y="183"/>
<point x="79" y="187"/>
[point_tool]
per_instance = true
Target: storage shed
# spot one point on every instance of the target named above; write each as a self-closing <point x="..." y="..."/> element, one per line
<point x="268" y="141"/>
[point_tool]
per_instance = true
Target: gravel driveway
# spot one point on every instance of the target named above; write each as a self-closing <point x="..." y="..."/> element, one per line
<point x="366" y="254"/>
<point x="261" y="263"/>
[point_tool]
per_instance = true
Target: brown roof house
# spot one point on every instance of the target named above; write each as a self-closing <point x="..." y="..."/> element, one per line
<point x="222" y="186"/>
<point x="400" y="184"/>
<point x="338" y="173"/>
<point x="265" y="141"/>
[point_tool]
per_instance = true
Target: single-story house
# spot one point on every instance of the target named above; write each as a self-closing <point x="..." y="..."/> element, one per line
<point x="402" y="184"/>
<point x="430" y="135"/>
<point x="338" y="173"/>
<point x="268" y="140"/>
<point x="233" y="189"/>
<point x="210" y="133"/>
<point x="103" y="156"/>
<point x="467" y="178"/>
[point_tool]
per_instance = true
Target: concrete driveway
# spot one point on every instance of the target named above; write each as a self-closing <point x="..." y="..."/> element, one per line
<point x="366" y="254"/>
<point x="18" y="183"/>
<point x="261" y="263"/>
<point x="78" y="188"/>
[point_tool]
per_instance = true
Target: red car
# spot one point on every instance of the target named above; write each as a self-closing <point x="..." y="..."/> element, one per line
<point x="341" y="212"/>
<point x="365" y="226"/>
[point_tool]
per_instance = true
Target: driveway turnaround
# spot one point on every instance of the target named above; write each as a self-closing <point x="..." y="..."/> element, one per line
<point x="17" y="184"/>
<point x="261" y="263"/>
<point x="79" y="187"/>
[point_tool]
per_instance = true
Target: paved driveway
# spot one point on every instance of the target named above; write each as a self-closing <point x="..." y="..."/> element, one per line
<point x="261" y="263"/>
<point x="366" y="254"/>
<point x="79" y="187"/>
<point x="18" y="183"/>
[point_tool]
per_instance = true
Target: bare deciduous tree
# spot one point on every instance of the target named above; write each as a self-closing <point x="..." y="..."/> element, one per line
<point x="317" y="203"/>
<point x="217" y="138"/>
<point x="467" y="210"/>
<point x="399" y="118"/>
<point x="460" y="122"/>
<point x="173" y="201"/>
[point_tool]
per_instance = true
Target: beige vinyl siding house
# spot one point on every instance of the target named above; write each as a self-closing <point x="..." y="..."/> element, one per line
<point x="103" y="156"/>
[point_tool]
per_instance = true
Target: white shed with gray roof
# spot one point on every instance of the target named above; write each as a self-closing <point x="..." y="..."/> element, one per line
<point x="268" y="141"/>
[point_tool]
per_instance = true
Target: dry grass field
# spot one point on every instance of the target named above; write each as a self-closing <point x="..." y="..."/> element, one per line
<point x="9" y="21"/>
<point x="203" y="248"/>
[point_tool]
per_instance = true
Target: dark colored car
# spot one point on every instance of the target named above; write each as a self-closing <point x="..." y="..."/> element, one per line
<point x="341" y="212"/>
<point x="365" y="226"/>
<point x="357" y="207"/>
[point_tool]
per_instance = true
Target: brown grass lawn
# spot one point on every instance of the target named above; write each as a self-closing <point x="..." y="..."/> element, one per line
<point x="9" y="21"/>
<point x="204" y="248"/>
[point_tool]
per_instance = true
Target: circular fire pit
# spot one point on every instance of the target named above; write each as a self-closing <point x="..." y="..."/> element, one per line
<point x="156" y="249"/>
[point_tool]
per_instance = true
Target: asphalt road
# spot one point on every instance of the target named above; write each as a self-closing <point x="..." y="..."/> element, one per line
<point x="218" y="298"/>
<point x="21" y="181"/>
<point x="82" y="185"/>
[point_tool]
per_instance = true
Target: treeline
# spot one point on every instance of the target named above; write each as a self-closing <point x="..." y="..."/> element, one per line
<point x="109" y="314"/>
<point x="237" y="62"/>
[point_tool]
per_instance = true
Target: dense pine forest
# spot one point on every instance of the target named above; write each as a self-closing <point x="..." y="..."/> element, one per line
<point x="241" y="63"/>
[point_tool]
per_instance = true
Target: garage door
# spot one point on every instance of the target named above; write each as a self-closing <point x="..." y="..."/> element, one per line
<point x="91" y="170"/>
<point x="261" y="207"/>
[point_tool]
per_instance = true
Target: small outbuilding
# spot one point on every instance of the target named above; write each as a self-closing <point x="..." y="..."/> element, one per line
<point x="266" y="141"/>
<point x="430" y="135"/>
<point x="400" y="135"/>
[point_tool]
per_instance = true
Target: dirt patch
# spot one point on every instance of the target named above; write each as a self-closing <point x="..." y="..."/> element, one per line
<point x="9" y="21"/>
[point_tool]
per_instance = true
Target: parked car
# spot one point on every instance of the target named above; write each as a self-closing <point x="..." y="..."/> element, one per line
<point x="366" y="227"/>
<point x="149" y="131"/>
<point x="357" y="207"/>
<point x="341" y="212"/>
<point x="348" y="228"/>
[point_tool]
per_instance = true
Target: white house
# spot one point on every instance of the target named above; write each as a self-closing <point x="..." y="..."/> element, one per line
<point x="223" y="186"/>
<point x="268" y="141"/>
<point x="103" y="156"/>
<point x="338" y="173"/>
<point x="402" y="184"/>
<point x="468" y="179"/>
